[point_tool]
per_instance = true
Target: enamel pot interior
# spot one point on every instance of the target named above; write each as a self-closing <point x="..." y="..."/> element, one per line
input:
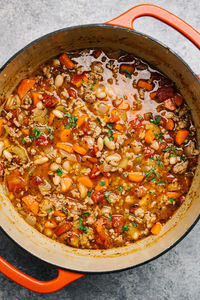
<point x="167" y="62"/>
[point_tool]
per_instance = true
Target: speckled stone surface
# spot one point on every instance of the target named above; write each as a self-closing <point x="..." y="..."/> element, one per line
<point x="176" y="274"/>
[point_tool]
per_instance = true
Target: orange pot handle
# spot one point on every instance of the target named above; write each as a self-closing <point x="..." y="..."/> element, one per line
<point x="127" y="19"/>
<point x="63" y="278"/>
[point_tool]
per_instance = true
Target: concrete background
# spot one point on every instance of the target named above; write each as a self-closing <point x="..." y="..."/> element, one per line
<point x="175" y="275"/>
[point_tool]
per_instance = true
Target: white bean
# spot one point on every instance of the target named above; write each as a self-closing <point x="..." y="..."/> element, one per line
<point x="58" y="160"/>
<point x="173" y="160"/>
<point x="66" y="165"/>
<point x="101" y="95"/>
<point x="54" y="167"/>
<point x="83" y="190"/>
<point x="41" y="160"/>
<point x="100" y="91"/>
<point x="109" y="144"/>
<point x="155" y="145"/>
<point x="39" y="105"/>
<point x="100" y="143"/>
<point x="56" y="62"/>
<point x="113" y="159"/>
<point x="7" y="155"/>
<point x="109" y="92"/>
<point x="59" y="80"/>
<point x="56" y="180"/>
<point x="58" y="113"/>
<point x="1" y="147"/>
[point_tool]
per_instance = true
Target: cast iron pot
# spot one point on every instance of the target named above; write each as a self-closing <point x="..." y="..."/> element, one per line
<point x="116" y="34"/>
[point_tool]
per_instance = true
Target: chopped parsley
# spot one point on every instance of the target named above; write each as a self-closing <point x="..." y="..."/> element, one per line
<point x="125" y="174"/>
<point x="67" y="126"/>
<point x="30" y="175"/>
<point x="86" y="213"/>
<point x="98" y="120"/>
<point x="81" y="225"/>
<point x="149" y="173"/>
<point x="172" y="155"/>
<point x="50" y="209"/>
<point x="155" y="120"/>
<point x="151" y="193"/>
<point x="134" y="224"/>
<point x="120" y="188"/>
<point x="37" y="133"/>
<point x="71" y="121"/>
<point x="171" y="200"/>
<point x="59" y="172"/>
<point x="159" y="135"/>
<point x="23" y="141"/>
<point x="159" y="162"/>
<point x="90" y="86"/>
<point x="125" y="228"/>
<point x="154" y="179"/>
<point x="89" y="193"/>
<point x="111" y="63"/>
<point x="102" y="182"/>
<point x="106" y="196"/>
<point x="151" y="157"/>
<point x="128" y="73"/>
<point x="167" y="149"/>
<point x="50" y="129"/>
<point x="66" y="212"/>
<point x="140" y="117"/>
<point x="110" y="131"/>
<point x="110" y="216"/>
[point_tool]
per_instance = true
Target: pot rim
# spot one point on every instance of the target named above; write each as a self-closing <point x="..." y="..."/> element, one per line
<point x="164" y="46"/>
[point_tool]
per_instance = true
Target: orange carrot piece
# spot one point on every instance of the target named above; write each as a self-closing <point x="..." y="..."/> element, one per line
<point x="169" y="104"/>
<point x="50" y="224"/>
<point x="51" y="118"/>
<point x="170" y="124"/>
<point x="36" y="97"/>
<point x="114" y="116"/>
<point x="97" y="53"/>
<point x="155" y="230"/>
<point x="178" y="99"/>
<point x="86" y="181"/>
<point x="65" y="135"/>
<point x="145" y="85"/>
<point x="24" y="87"/>
<point x="135" y="176"/>
<point x="66" y="184"/>
<point x="181" y="136"/>
<point x="102" y="185"/>
<point x="59" y="213"/>
<point x="149" y="136"/>
<point x="78" y="79"/>
<point x="106" y="119"/>
<point x="81" y="120"/>
<point x="65" y="147"/>
<point x="119" y="127"/>
<point x="124" y="105"/>
<point x="153" y="95"/>
<point x="127" y="69"/>
<point x="173" y="195"/>
<point x="79" y="149"/>
<point x="65" y="60"/>
<point x="115" y="136"/>
<point x="1" y="125"/>
<point x="31" y="203"/>
<point x="25" y="131"/>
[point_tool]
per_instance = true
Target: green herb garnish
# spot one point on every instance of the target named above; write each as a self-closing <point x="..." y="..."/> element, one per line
<point x="50" y="129"/>
<point x="102" y="182"/>
<point x="171" y="200"/>
<point x="50" y="210"/>
<point x="134" y="224"/>
<point x="90" y="86"/>
<point x="66" y="212"/>
<point x="125" y="174"/>
<point x="30" y="175"/>
<point x="151" y="193"/>
<point x="110" y="216"/>
<point x="149" y="173"/>
<point x="167" y="149"/>
<point x="106" y="196"/>
<point x="110" y="131"/>
<point x="67" y="126"/>
<point x="98" y="120"/>
<point x="159" y="135"/>
<point x="125" y="228"/>
<point x="86" y="213"/>
<point x="120" y="188"/>
<point x="37" y="133"/>
<point x="140" y="117"/>
<point x="81" y="225"/>
<point x="89" y="193"/>
<point x="59" y="172"/>
<point x="23" y="141"/>
<point x="155" y="120"/>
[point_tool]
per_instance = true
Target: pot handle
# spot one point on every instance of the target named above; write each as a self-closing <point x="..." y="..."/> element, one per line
<point x="127" y="19"/>
<point x="63" y="278"/>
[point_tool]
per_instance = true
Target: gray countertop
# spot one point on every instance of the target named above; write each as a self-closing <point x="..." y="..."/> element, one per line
<point x="176" y="274"/>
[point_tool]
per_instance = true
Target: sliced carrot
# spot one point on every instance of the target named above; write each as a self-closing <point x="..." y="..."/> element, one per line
<point x="25" y="131"/>
<point x="135" y="176"/>
<point x="24" y="87"/>
<point x="64" y="135"/>
<point x="173" y="195"/>
<point x="59" y="213"/>
<point x="36" y="97"/>
<point x="149" y="136"/>
<point x="93" y="160"/>
<point x="155" y="230"/>
<point x="81" y="120"/>
<point x="181" y="136"/>
<point x="102" y="184"/>
<point x="66" y="184"/>
<point x="65" y="60"/>
<point x="31" y="203"/>
<point x="153" y="95"/>
<point x="170" y="124"/>
<point x="78" y="79"/>
<point x="178" y="99"/>
<point x="127" y="69"/>
<point x="124" y="105"/>
<point x="85" y="181"/>
<point x="79" y="149"/>
<point x="1" y="125"/>
<point x="114" y="116"/>
<point x="115" y="136"/>
<point x="51" y="118"/>
<point x="65" y="147"/>
<point x="119" y="127"/>
<point x="145" y="85"/>
<point x="50" y="224"/>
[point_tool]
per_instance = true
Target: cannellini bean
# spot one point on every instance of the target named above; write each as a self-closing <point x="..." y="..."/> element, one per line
<point x="65" y="94"/>
<point x="58" y="113"/>
<point x="109" y="144"/>
<point x="56" y="180"/>
<point x="102" y="108"/>
<point x="31" y="220"/>
<point x="39" y="105"/>
<point x="58" y="160"/>
<point x="109" y="92"/>
<point x="59" y="80"/>
<point x="56" y="62"/>
<point x="173" y="160"/>
<point x="155" y="145"/>
<point x="113" y="159"/>
<point x="100" y="91"/>
<point x="123" y="163"/>
<point x="100" y="143"/>
<point x="7" y="155"/>
<point x="66" y="165"/>
<point x="41" y="160"/>
<point x="1" y="147"/>
<point x="54" y="167"/>
<point x="83" y="190"/>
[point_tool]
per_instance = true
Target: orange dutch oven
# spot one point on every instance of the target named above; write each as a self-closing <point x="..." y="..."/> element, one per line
<point x="117" y="33"/>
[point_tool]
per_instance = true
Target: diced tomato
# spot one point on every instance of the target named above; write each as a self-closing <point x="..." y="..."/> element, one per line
<point x="170" y="178"/>
<point x="163" y="122"/>
<point x="1" y="170"/>
<point x="94" y="171"/>
<point x="63" y="228"/>
<point x="36" y="180"/>
<point x="98" y="196"/>
<point x="148" y="151"/>
<point x="72" y="92"/>
<point x="49" y="100"/>
<point x="73" y="240"/>
<point x="15" y="182"/>
<point x="117" y="223"/>
<point x="133" y="208"/>
<point x="169" y="104"/>
<point x="93" y="160"/>
<point x="101" y="237"/>
<point x="178" y="99"/>
<point x="97" y="53"/>
<point x="141" y="191"/>
<point x="43" y="141"/>
<point x="136" y="124"/>
<point x="165" y="92"/>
